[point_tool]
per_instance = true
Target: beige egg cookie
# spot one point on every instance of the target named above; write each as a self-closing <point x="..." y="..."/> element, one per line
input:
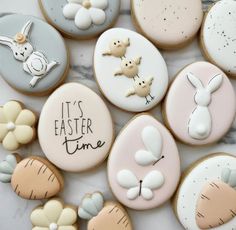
<point x="33" y="178"/>
<point x="103" y="215"/>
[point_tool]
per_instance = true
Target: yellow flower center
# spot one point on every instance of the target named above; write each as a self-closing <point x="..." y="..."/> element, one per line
<point x="53" y="226"/>
<point x="11" y="126"/>
<point x="86" y="4"/>
<point x="20" y="38"/>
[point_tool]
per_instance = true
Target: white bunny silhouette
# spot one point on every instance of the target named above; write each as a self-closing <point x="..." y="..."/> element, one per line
<point x="200" y="122"/>
<point x="34" y="62"/>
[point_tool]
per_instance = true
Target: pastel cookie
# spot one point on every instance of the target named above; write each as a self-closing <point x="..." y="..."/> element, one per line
<point x="200" y="105"/>
<point x="17" y="125"/>
<point x="103" y="215"/>
<point x="218" y="35"/>
<point x="34" y="57"/>
<point x="206" y="197"/>
<point x="54" y="215"/>
<point x="81" y="19"/>
<point x="169" y="24"/>
<point x="144" y="165"/>
<point x="130" y="71"/>
<point x="75" y="128"/>
<point x="32" y="178"/>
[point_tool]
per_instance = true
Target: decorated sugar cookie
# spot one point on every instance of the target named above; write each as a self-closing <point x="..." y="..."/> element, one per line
<point x="206" y="197"/>
<point x="218" y="36"/>
<point x="130" y="71"/>
<point x="33" y="54"/>
<point x="75" y="128"/>
<point x="17" y="125"/>
<point x="169" y="24"/>
<point x="103" y="215"/>
<point x="32" y="178"/>
<point x="200" y="105"/>
<point x="149" y="169"/>
<point x="54" y="215"/>
<point x="81" y="19"/>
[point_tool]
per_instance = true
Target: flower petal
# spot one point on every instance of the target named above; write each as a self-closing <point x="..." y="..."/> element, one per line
<point x="75" y="1"/>
<point x="98" y="16"/>
<point x="24" y="134"/>
<point x="3" y="131"/>
<point x="68" y="217"/>
<point x="53" y="210"/>
<point x="40" y="228"/>
<point x="70" y="10"/>
<point x="10" y="142"/>
<point x="2" y="116"/>
<point x="67" y="228"/>
<point x="39" y="219"/>
<point x="82" y="19"/>
<point x="26" y="117"/>
<point x="12" y="110"/>
<point x="101" y="4"/>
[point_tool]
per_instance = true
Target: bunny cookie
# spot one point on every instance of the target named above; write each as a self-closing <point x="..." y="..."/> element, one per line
<point x="200" y="106"/>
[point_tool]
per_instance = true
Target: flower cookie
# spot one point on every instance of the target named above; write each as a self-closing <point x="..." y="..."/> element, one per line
<point x="32" y="178"/>
<point x="75" y="128"/>
<point x="130" y="71"/>
<point x="169" y="24"/>
<point x="54" y="215"/>
<point x="103" y="215"/>
<point x="81" y="19"/>
<point x="33" y="54"/>
<point x="148" y="171"/>
<point x="206" y="198"/>
<point x="200" y="105"/>
<point x="218" y="36"/>
<point x="17" y="125"/>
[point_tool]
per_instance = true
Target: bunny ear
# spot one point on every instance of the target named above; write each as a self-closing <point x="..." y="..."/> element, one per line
<point x="6" y="41"/>
<point x="194" y="81"/>
<point x="7" y="168"/>
<point x="26" y="28"/>
<point x="215" y="83"/>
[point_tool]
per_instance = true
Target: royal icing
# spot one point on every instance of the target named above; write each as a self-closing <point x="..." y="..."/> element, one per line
<point x="16" y="125"/>
<point x="206" y="198"/>
<point x="39" y="65"/>
<point x="169" y="24"/>
<point x="75" y="128"/>
<point x="103" y="215"/>
<point x="200" y="105"/>
<point x="54" y="216"/>
<point x="218" y="35"/>
<point x="149" y="169"/>
<point x="33" y="178"/>
<point x="130" y="71"/>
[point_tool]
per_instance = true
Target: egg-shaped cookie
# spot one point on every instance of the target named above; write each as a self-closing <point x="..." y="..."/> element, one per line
<point x="218" y="36"/>
<point x="129" y="70"/>
<point x="200" y="106"/>
<point x="206" y="198"/>
<point x="170" y="24"/>
<point x="144" y="164"/>
<point x="75" y="128"/>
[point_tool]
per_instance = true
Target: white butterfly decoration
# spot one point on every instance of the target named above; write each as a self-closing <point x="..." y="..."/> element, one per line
<point x="86" y="12"/>
<point x="152" y="140"/>
<point x="153" y="180"/>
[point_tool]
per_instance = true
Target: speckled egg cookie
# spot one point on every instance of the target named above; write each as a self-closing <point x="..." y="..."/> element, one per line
<point x="169" y="24"/>
<point x="34" y="57"/>
<point x="200" y="105"/>
<point x="206" y="198"/>
<point x="218" y="36"/>
<point x="81" y="19"/>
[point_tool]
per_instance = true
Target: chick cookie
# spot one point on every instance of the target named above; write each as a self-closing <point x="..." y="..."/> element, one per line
<point x="103" y="215"/>
<point x="218" y="36"/>
<point x="169" y="24"/>
<point x="206" y="196"/>
<point x="81" y="19"/>
<point x="200" y="106"/>
<point x="130" y="71"/>
<point x="34" y="57"/>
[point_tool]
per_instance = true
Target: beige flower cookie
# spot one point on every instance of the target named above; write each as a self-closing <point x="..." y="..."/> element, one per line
<point x="54" y="215"/>
<point x="16" y="125"/>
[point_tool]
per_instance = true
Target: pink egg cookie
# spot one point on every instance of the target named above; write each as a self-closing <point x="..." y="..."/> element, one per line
<point x="75" y="128"/>
<point x="200" y="105"/>
<point x="144" y="165"/>
<point x="206" y="198"/>
<point x="169" y="24"/>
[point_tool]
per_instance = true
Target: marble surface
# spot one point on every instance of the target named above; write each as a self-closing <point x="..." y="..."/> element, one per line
<point x="14" y="211"/>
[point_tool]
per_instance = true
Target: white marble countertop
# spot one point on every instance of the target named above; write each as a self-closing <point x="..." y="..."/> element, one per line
<point x="15" y="212"/>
